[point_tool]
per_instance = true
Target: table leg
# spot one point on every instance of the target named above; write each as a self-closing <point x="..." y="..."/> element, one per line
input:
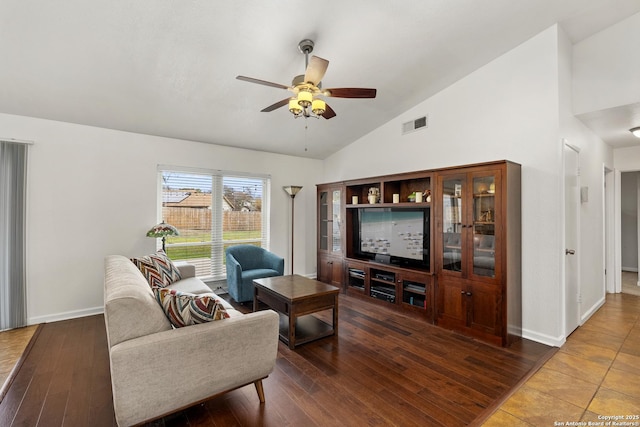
<point x="335" y="315"/>
<point x="292" y="331"/>
<point x="255" y="298"/>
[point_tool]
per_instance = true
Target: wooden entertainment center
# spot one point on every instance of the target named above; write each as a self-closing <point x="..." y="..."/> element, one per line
<point x="442" y="244"/>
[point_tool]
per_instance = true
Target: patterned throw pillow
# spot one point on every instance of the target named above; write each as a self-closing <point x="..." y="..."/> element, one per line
<point x="185" y="309"/>
<point x="158" y="269"/>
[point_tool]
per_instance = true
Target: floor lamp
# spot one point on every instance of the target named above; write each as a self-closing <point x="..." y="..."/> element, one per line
<point x="292" y="190"/>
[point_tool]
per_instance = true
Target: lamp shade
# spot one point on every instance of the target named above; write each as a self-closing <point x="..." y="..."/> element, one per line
<point x="292" y="190"/>
<point x="304" y="98"/>
<point x="162" y="230"/>
<point x="318" y="106"/>
<point x="294" y="107"/>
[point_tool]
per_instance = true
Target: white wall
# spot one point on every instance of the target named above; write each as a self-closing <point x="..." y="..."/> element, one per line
<point x="606" y="68"/>
<point x="92" y="192"/>
<point x="507" y="109"/>
<point x="627" y="159"/>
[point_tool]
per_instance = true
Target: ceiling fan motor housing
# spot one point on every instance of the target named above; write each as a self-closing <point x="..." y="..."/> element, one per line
<point x="306" y="46"/>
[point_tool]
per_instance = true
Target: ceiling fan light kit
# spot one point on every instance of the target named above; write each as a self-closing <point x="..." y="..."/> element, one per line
<point x="306" y="101"/>
<point x="635" y="131"/>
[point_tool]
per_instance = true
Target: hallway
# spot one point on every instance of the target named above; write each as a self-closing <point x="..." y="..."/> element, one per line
<point x="630" y="283"/>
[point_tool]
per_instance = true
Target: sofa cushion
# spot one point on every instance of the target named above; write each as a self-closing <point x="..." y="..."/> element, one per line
<point x="158" y="269"/>
<point x="190" y="285"/>
<point x="184" y="309"/>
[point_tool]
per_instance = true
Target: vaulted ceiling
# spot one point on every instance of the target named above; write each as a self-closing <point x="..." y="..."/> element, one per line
<point x="168" y="68"/>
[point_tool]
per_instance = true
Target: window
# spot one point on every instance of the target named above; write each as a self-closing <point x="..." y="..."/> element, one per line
<point x="213" y="210"/>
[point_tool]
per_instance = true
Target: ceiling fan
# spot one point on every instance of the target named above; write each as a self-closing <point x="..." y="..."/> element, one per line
<point x="307" y="88"/>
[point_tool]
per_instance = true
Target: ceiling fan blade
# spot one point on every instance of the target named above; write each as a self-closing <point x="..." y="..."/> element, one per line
<point x="261" y="82"/>
<point x="328" y="112"/>
<point x="275" y="106"/>
<point x="315" y="70"/>
<point x="350" y="92"/>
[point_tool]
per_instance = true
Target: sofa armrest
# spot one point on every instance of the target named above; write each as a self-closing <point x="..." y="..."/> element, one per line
<point x="186" y="270"/>
<point x="234" y="269"/>
<point x="274" y="262"/>
<point x="160" y="373"/>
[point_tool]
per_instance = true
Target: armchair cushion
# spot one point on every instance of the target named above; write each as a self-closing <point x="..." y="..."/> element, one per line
<point x="183" y="309"/>
<point x="158" y="269"/>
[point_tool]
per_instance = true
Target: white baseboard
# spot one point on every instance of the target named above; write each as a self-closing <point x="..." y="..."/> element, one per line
<point x="630" y="269"/>
<point x="65" y="316"/>
<point x="592" y="310"/>
<point x="543" y="339"/>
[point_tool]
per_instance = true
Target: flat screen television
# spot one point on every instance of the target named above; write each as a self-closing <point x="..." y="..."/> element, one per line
<point x="402" y="234"/>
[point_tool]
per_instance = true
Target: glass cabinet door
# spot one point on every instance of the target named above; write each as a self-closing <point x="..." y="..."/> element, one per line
<point x="324" y="220"/>
<point x="484" y="217"/>
<point x="336" y="237"/>
<point x="330" y="221"/>
<point x="452" y="223"/>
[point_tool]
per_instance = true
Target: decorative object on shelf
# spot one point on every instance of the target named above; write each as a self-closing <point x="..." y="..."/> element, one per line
<point x="292" y="190"/>
<point x="163" y="230"/>
<point x="486" y="216"/>
<point x="492" y="188"/>
<point x="374" y="195"/>
<point x="458" y="190"/>
<point x="418" y="197"/>
<point x="396" y="198"/>
<point x="427" y="194"/>
<point x="354" y="200"/>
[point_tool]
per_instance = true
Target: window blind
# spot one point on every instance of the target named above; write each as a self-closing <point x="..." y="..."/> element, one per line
<point x="213" y="210"/>
<point x="13" y="187"/>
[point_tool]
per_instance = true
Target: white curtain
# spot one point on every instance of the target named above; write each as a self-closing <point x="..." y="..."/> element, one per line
<point x="13" y="177"/>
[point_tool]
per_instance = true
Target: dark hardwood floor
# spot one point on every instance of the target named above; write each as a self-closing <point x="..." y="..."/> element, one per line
<point x="382" y="369"/>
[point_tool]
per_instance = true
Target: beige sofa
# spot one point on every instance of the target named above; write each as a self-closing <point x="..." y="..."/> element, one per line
<point x="156" y="369"/>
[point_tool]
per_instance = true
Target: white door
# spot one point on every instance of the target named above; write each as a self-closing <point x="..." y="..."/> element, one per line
<point x="571" y="237"/>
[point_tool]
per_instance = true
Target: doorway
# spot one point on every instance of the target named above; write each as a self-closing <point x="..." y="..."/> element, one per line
<point x="629" y="231"/>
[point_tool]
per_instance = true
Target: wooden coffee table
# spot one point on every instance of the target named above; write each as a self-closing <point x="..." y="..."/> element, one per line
<point x="295" y="297"/>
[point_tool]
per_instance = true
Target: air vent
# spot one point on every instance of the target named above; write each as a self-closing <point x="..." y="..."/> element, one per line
<point x="414" y="125"/>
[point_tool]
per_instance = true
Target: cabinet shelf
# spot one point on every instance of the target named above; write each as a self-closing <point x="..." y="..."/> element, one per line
<point x="356" y="278"/>
<point x="415" y="291"/>
<point x="388" y="205"/>
<point x="383" y="281"/>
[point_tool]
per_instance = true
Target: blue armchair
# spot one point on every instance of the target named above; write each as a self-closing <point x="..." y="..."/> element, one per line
<point x="246" y="263"/>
